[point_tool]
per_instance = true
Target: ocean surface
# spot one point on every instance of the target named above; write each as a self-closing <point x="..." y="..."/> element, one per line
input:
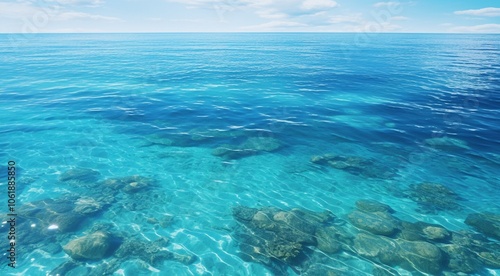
<point x="216" y="141"/>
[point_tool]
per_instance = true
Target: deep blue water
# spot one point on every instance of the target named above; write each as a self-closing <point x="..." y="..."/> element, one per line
<point x="157" y="105"/>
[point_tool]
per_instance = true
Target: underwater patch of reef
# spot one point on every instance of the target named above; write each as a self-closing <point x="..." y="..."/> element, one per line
<point x="51" y="224"/>
<point x="306" y="242"/>
<point x="293" y="239"/>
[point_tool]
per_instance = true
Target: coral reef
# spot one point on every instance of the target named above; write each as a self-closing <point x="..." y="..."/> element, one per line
<point x="433" y="198"/>
<point x="279" y="239"/>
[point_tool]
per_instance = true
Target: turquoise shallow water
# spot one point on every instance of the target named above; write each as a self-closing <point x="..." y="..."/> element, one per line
<point x="219" y="121"/>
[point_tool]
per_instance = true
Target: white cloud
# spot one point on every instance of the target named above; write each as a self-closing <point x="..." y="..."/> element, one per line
<point x="386" y="4"/>
<point x="64" y="16"/>
<point x="89" y="3"/>
<point x="318" y="4"/>
<point x="485" y="28"/>
<point x="17" y="10"/>
<point x="31" y="12"/>
<point x="274" y="9"/>
<point x="490" y="12"/>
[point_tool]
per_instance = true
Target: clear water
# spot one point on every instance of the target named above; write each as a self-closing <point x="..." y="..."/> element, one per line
<point x="102" y="101"/>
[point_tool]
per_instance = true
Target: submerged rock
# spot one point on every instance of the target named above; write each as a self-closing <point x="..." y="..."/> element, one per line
<point x="372" y="206"/>
<point x="95" y="246"/>
<point x="432" y="197"/>
<point x="422" y="231"/>
<point x="54" y="215"/>
<point x="80" y="175"/>
<point x="253" y="145"/>
<point x="355" y="165"/>
<point x="329" y="239"/>
<point x="377" y="248"/>
<point x="486" y="223"/>
<point x="152" y="253"/>
<point x="199" y="134"/>
<point x="136" y="183"/>
<point x="490" y="259"/>
<point x="422" y="256"/>
<point x="87" y="205"/>
<point x="447" y="143"/>
<point x="270" y="234"/>
<point x="378" y="223"/>
<point x="461" y="259"/>
<point x="65" y="268"/>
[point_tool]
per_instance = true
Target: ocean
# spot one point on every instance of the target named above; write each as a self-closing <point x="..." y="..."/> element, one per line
<point x="250" y="154"/>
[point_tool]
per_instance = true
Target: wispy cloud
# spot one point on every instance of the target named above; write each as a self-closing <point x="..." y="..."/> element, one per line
<point x="386" y="4"/>
<point x="64" y="16"/>
<point x="489" y="12"/>
<point x="88" y="3"/>
<point x="265" y="8"/>
<point x="28" y="10"/>
<point x="484" y="28"/>
<point x="318" y="4"/>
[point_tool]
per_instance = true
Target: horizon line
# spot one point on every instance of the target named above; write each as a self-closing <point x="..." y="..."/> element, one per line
<point x="246" y="32"/>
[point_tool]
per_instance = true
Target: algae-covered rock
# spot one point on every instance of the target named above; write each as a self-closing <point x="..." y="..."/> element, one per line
<point x="322" y="270"/>
<point x="242" y="213"/>
<point x="435" y="233"/>
<point x="94" y="246"/>
<point x="267" y="144"/>
<point x="269" y="234"/>
<point x="377" y="248"/>
<point x="432" y="197"/>
<point x="152" y="253"/>
<point x="447" y="143"/>
<point x="87" y="205"/>
<point x="372" y="206"/>
<point x="80" y="175"/>
<point x="422" y="231"/>
<point x="284" y="250"/>
<point x="328" y="239"/>
<point x="378" y="223"/>
<point x="486" y="223"/>
<point x="355" y="165"/>
<point x="253" y="145"/>
<point x="54" y="214"/>
<point x="422" y="256"/>
<point x="65" y="268"/>
<point x="490" y="259"/>
<point x="461" y="259"/>
<point x="136" y="183"/>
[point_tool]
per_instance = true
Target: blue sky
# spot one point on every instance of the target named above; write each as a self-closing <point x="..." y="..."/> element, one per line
<point x="34" y="16"/>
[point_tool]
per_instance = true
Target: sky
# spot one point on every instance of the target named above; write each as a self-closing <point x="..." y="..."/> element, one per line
<point x="422" y="16"/>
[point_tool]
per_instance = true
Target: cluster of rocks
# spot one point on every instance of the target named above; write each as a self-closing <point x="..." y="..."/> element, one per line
<point x="433" y="198"/>
<point x="278" y="238"/>
<point x="50" y="223"/>
<point x="251" y="146"/>
<point x="233" y="144"/>
<point x="114" y="249"/>
<point x="355" y="165"/>
<point x="281" y="239"/>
